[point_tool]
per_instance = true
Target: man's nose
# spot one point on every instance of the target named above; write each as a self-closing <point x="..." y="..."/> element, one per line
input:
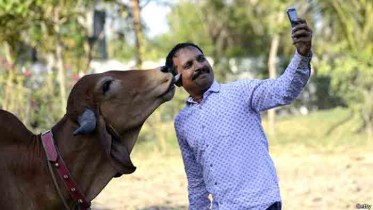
<point x="198" y="65"/>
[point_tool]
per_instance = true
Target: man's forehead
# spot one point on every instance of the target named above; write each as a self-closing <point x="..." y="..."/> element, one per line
<point x="188" y="49"/>
<point x="186" y="53"/>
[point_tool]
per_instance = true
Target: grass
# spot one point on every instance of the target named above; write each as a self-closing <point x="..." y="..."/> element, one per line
<point x="308" y="131"/>
<point x="316" y="171"/>
<point x="311" y="131"/>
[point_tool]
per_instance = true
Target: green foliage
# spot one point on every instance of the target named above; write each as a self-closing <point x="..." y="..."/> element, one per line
<point x="346" y="52"/>
<point x="307" y="131"/>
<point x="311" y="130"/>
<point x="121" y="50"/>
<point x="45" y="107"/>
<point x="32" y="97"/>
<point x="228" y="30"/>
<point x="225" y="30"/>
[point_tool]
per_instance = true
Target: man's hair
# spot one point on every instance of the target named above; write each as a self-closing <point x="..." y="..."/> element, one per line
<point x="172" y="54"/>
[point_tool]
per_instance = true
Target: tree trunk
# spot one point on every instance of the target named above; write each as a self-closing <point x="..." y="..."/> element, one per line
<point x="272" y="75"/>
<point x="93" y="23"/>
<point x="59" y="57"/>
<point x="9" y="83"/>
<point x="87" y="21"/>
<point x="61" y="77"/>
<point x="99" y="34"/>
<point x="367" y="113"/>
<point x="139" y="34"/>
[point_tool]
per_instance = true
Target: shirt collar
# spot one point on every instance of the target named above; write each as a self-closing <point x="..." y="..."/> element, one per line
<point x="214" y="88"/>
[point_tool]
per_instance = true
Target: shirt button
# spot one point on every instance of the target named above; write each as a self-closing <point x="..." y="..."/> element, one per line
<point x="216" y="183"/>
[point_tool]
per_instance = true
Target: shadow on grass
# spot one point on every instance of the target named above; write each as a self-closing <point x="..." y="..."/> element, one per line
<point x="165" y="208"/>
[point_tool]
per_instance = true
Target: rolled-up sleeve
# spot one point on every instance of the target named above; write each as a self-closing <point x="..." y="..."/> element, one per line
<point x="197" y="193"/>
<point x="266" y="94"/>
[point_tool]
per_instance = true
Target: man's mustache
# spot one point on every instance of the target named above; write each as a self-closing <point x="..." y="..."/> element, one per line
<point x="199" y="71"/>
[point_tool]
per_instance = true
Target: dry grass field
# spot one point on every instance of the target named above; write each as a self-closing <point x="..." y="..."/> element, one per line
<point x="315" y="171"/>
<point x="308" y="181"/>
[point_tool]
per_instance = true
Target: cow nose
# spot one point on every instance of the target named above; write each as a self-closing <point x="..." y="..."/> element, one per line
<point x="165" y="69"/>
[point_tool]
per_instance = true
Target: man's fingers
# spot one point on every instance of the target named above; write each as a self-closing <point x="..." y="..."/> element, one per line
<point x="301" y="33"/>
<point x="302" y="39"/>
<point x="302" y="26"/>
<point x="301" y="20"/>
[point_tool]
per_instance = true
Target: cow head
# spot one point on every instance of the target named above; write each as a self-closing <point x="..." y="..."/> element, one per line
<point x="114" y="105"/>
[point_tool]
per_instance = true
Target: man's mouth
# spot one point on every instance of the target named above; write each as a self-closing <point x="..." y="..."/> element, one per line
<point x="200" y="71"/>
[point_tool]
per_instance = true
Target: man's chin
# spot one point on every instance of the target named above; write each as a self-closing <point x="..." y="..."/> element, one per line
<point x="206" y="84"/>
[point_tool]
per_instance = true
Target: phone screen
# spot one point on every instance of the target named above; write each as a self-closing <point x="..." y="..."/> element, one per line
<point x="293" y="14"/>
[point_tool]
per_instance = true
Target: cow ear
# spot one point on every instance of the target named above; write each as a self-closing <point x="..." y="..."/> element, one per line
<point x="87" y="122"/>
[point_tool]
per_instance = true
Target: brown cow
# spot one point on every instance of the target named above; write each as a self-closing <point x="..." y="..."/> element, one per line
<point x="119" y="101"/>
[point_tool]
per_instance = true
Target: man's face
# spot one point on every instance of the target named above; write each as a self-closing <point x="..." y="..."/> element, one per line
<point x="197" y="74"/>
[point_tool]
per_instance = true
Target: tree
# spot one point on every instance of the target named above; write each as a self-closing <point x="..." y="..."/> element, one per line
<point x="347" y="51"/>
<point x="59" y="25"/>
<point x="230" y="30"/>
<point x="13" y="23"/>
<point x="138" y="29"/>
<point x="50" y="28"/>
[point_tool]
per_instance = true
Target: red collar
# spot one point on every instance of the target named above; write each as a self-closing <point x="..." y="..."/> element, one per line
<point x="55" y="158"/>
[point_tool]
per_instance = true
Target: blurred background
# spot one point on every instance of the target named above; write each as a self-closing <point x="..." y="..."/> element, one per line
<point x="321" y="144"/>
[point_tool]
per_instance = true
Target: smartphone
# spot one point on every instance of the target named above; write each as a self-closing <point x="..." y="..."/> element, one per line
<point x="292" y="14"/>
<point x="178" y="80"/>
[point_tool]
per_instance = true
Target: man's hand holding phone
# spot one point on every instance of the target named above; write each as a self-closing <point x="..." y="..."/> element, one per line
<point x="301" y="33"/>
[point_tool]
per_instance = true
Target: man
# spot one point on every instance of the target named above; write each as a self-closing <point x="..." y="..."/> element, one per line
<point x="223" y="145"/>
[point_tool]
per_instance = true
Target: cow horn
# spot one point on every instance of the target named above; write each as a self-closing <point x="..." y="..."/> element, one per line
<point x="87" y="123"/>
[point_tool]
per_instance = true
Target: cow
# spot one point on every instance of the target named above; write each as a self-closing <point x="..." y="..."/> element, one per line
<point x="94" y="140"/>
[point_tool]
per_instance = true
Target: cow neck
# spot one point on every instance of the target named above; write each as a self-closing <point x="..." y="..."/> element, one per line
<point x="119" y="152"/>
<point x="115" y="137"/>
<point x="84" y="157"/>
<point x="55" y="159"/>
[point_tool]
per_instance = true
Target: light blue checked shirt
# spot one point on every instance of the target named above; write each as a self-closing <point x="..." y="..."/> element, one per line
<point x="223" y="145"/>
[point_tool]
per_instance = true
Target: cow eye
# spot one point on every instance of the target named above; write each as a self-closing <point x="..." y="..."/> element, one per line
<point x="106" y="86"/>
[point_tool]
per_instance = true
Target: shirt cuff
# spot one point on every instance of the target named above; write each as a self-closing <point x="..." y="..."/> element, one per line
<point x="309" y="56"/>
<point x="303" y="62"/>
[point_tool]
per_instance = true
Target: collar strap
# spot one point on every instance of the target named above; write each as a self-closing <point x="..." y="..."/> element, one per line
<point x="55" y="158"/>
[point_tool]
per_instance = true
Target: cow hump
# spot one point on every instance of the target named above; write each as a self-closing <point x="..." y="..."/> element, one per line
<point x="12" y="129"/>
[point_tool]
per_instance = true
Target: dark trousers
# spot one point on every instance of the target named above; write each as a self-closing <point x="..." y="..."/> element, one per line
<point x="275" y="206"/>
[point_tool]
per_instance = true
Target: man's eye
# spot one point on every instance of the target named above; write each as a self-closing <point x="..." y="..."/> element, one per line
<point x="201" y="59"/>
<point x="188" y="65"/>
